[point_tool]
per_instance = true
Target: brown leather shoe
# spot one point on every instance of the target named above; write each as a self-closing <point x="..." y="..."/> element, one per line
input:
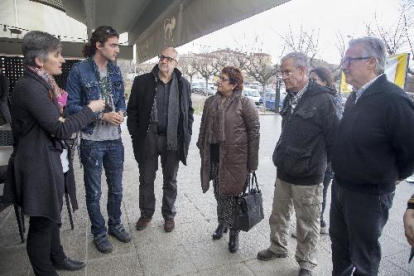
<point x="142" y="223"/>
<point x="169" y="225"/>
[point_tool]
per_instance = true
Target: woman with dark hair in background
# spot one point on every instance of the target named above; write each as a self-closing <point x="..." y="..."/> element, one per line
<point x="229" y="147"/>
<point x="39" y="170"/>
<point x="323" y="77"/>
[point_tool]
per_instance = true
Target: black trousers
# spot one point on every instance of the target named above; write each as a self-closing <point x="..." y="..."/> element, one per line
<point x="157" y="146"/>
<point x="326" y="182"/>
<point x="43" y="245"/>
<point x="357" y="220"/>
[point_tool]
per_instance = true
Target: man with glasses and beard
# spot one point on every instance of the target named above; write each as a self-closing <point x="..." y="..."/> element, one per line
<point x="309" y="125"/>
<point x="160" y="120"/>
<point x="98" y="77"/>
<point x="374" y="150"/>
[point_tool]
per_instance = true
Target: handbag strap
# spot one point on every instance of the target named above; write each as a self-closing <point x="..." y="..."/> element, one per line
<point x="251" y="182"/>
<point x="254" y="180"/>
<point x="247" y="187"/>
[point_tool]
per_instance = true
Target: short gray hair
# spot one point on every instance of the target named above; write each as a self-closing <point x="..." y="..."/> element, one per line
<point x="37" y="44"/>
<point x="372" y="47"/>
<point x="300" y="59"/>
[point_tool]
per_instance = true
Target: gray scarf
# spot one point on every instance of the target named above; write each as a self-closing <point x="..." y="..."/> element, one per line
<point x="173" y="115"/>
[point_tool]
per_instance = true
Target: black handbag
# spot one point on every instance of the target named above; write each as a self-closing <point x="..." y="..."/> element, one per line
<point x="249" y="207"/>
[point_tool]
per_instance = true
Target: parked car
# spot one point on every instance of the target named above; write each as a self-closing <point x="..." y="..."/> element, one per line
<point x="197" y="87"/>
<point x="212" y="90"/>
<point x="271" y="99"/>
<point x="200" y="88"/>
<point x="252" y="94"/>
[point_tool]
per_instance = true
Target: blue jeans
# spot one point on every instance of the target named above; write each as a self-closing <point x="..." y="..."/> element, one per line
<point x="357" y="220"/>
<point x="110" y="154"/>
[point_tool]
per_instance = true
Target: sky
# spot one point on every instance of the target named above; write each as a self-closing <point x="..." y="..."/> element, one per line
<point x="328" y="17"/>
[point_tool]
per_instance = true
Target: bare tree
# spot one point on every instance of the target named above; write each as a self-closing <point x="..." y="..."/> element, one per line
<point x="205" y="65"/>
<point x="341" y="47"/>
<point x="340" y="44"/>
<point x="240" y="60"/>
<point x="222" y="59"/>
<point x="304" y="41"/>
<point x="398" y="35"/>
<point x="229" y="57"/>
<point x="261" y="69"/>
<point x="186" y="65"/>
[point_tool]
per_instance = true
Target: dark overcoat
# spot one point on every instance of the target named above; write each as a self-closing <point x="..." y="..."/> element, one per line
<point x="140" y="104"/>
<point x="35" y="179"/>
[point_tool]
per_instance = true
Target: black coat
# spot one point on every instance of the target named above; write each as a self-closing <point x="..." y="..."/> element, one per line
<point x="375" y="142"/>
<point x="140" y="104"/>
<point x="35" y="179"/>
<point x="307" y="137"/>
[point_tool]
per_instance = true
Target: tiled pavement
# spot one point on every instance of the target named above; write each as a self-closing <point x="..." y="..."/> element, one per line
<point x="189" y="249"/>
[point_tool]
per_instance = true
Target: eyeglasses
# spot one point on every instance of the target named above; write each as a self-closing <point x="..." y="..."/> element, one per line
<point x="345" y="62"/>
<point x="287" y="73"/>
<point x="169" y="59"/>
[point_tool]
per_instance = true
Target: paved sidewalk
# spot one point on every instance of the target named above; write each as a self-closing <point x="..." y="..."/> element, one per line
<point x="189" y="249"/>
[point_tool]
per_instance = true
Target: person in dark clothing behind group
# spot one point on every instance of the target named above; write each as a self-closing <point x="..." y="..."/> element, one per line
<point x="160" y="121"/>
<point x="323" y="77"/>
<point x="229" y="147"/>
<point x="40" y="170"/>
<point x="373" y="150"/>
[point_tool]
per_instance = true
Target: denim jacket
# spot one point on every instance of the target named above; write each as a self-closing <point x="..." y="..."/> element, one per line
<point x="83" y="87"/>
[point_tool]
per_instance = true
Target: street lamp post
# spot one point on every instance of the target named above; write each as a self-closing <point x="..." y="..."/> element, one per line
<point x="277" y="99"/>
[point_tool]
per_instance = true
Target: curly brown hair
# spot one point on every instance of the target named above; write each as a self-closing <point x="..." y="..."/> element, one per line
<point x="100" y="34"/>
<point x="235" y="76"/>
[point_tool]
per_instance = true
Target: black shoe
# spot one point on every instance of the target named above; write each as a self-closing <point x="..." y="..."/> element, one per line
<point x="68" y="264"/>
<point x="120" y="233"/>
<point x="102" y="243"/>
<point x="218" y="234"/>
<point x="234" y="241"/>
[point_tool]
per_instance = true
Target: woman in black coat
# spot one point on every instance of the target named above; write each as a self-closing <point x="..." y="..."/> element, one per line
<point x="39" y="169"/>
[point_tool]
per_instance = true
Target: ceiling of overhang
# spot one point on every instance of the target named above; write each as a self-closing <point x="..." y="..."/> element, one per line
<point x="151" y="24"/>
<point x="132" y="16"/>
<point x="154" y="24"/>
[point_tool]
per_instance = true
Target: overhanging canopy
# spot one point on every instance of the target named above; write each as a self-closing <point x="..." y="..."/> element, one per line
<point x="154" y="24"/>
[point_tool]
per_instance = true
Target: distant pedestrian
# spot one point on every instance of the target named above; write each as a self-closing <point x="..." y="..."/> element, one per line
<point x="229" y="147"/>
<point x="374" y="149"/>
